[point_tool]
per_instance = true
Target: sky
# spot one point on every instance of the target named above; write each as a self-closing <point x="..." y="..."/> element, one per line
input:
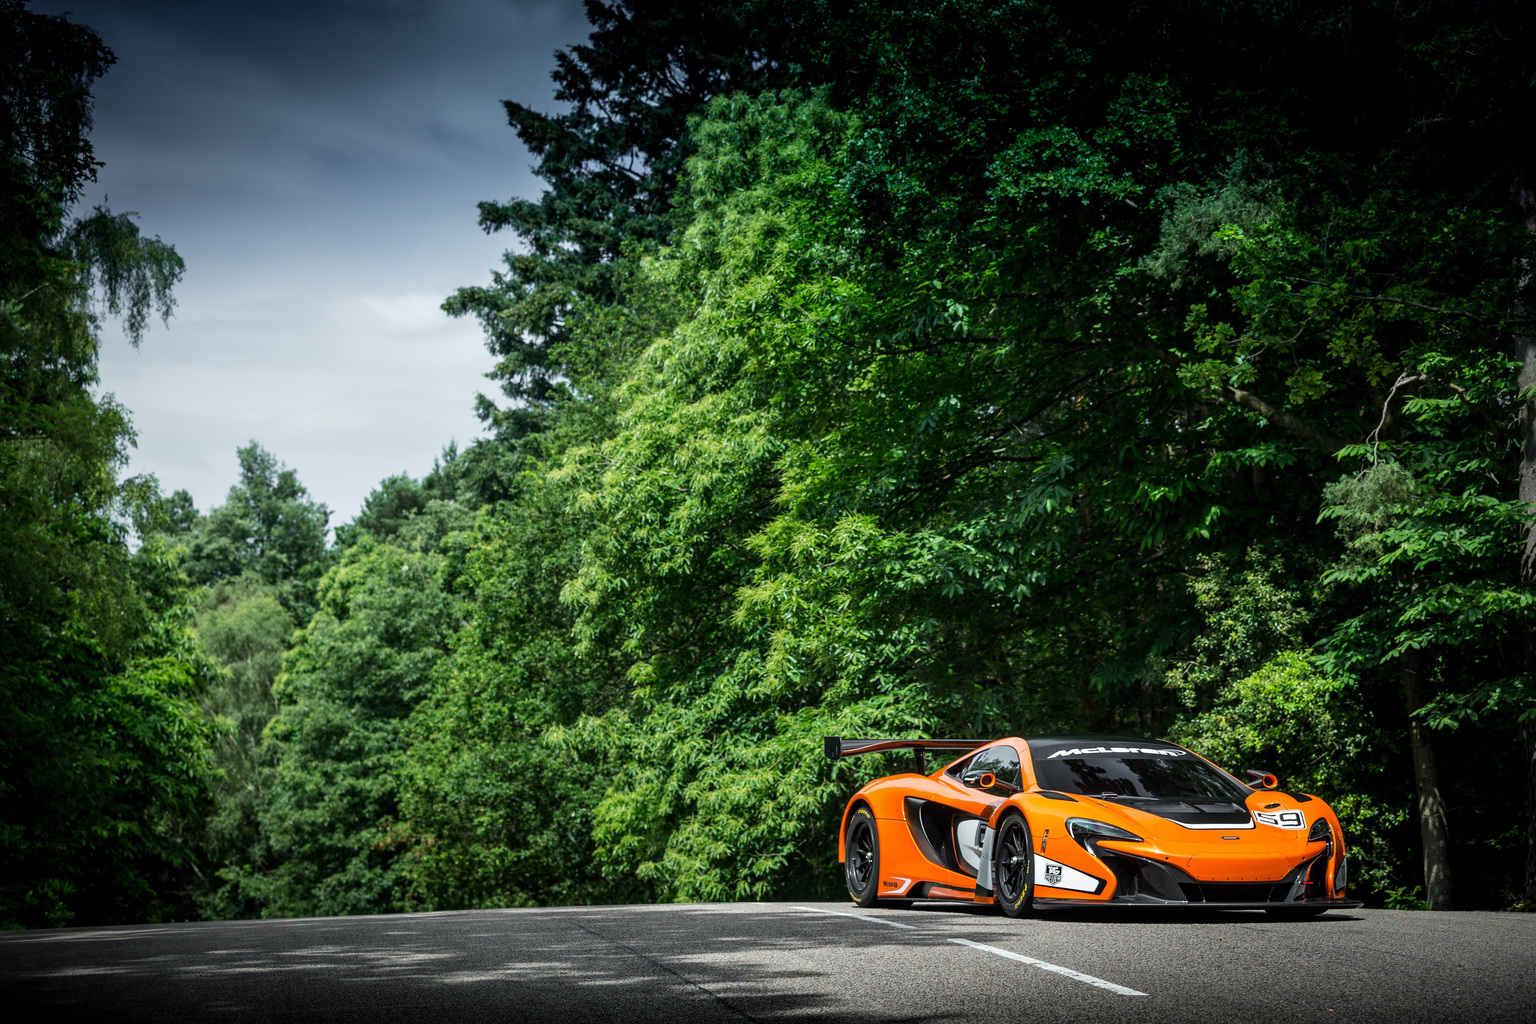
<point x="317" y="166"/>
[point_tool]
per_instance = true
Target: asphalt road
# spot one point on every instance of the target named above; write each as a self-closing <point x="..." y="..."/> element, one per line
<point x="832" y="961"/>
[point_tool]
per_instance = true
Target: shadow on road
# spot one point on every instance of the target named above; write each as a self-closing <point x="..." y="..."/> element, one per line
<point x="634" y="964"/>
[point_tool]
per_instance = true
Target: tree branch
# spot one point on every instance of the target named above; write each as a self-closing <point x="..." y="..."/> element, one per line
<point x="1405" y="380"/>
<point x="1253" y="403"/>
<point x="1284" y="420"/>
<point x="1394" y="300"/>
<point x="1488" y="419"/>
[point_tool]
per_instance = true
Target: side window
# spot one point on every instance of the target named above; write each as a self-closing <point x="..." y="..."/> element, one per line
<point x="957" y="769"/>
<point x="1002" y="761"/>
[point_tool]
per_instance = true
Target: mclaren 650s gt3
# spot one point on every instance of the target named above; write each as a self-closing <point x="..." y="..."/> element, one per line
<point x="1042" y="822"/>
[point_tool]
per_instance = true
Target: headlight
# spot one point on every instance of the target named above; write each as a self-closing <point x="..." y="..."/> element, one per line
<point x="1320" y="833"/>
<point x="1085" y="830"/>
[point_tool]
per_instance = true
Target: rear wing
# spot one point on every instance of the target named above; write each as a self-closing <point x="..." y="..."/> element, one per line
<point x="838" y="748"/>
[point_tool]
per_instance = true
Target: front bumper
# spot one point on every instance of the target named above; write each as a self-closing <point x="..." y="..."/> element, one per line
<point x="1147" y="882"/>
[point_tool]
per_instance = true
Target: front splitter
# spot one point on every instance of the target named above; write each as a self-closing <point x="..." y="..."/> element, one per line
<point x="1052" y="903"/>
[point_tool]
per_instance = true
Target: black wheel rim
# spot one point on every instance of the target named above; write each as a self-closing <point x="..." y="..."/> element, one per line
<point x="1013" y="862"/>
<point x="861" y="858"/>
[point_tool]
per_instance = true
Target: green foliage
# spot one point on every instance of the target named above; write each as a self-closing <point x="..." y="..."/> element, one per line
<point x="981" y="373"/>
<point x="401" y="505"/>
<point x="268" y="527"/>
<point x="1256" y="695"/>
<point x="104" y="751"/>
<point x="245" y="630"/>
<point x="107" y="756"/>
<point x="497" y="792"/>
<point x="1441" y="568"/>
<point x="611" y="161"/>
<point x="353" y="676"/>
<point x="129" y="274"/>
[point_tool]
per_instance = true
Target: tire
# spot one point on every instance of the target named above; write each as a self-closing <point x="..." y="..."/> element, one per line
<point x="1013" y="866"/>
<point x="861" y="859"/>
<point x="1295" y="913"/>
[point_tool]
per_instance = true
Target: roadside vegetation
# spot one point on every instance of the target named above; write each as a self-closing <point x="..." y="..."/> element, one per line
<point x="973" y="369"/>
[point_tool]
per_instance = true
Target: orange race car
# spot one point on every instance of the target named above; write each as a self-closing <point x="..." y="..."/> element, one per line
<point x="1073" y="821"/>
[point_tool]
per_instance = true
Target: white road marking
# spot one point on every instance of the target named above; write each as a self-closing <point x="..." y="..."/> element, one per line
<point x="858" y="917"/>
<point x="1064" y="971"/>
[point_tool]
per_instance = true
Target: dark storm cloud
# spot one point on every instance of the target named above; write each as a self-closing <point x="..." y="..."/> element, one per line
<point x="349" y="84"/>
<point x="318" y="165"/>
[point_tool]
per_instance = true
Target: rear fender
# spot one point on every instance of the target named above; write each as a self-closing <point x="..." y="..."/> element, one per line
<point x="882" y="797"/>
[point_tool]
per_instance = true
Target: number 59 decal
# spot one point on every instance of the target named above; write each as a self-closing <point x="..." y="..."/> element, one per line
<point x="1281" y="819"/>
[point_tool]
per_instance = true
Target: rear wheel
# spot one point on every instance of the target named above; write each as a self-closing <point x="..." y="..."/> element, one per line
<point x="1013" y="867"/>
<point x="861" y="861"/>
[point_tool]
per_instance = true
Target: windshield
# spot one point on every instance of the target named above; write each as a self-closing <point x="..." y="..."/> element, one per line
<point x="1139" y="777"/>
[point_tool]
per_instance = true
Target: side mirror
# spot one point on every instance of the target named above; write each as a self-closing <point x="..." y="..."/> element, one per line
<point x="986" y="780"/>
<point x="973" y="779"/>
<point x="1262" y="780"/>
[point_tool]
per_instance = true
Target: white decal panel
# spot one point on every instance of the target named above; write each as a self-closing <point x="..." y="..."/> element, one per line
<point x="1282" y="819"/>
<point x="969" y="835"/>
<point x="1060" y="876"/>
<point x="1208" y="828"/>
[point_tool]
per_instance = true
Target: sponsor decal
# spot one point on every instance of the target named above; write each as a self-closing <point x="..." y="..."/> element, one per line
<point x="1084" y="751"/>
<point x="1063" y="876"/>
<point x="1281" y="819"/>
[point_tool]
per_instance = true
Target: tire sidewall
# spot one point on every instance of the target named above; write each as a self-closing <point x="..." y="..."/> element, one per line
<point x="862" y="818"/>
<point x="1023" y="904"/>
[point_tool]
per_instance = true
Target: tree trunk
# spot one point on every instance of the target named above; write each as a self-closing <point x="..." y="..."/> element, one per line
<point x="1523" y="195"/>
<point x="1525" y="352"/>
<point x="1530" y="814"/>
<point x="1433" y="831"/>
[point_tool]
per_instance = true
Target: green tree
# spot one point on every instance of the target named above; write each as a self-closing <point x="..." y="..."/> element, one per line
<point x="1256" y="694"/>
<point x="354" y="673"/>
<point x="104" y="753"/>
<point x="611" y="162"/>
<point x="268" y="527"/>
<point x="498" y="716"/>
<point x="519" y="699"/>
<point x="245" y="630"/>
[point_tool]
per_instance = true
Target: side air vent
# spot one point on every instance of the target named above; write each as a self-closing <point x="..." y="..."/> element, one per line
<point x="932" y="825"/>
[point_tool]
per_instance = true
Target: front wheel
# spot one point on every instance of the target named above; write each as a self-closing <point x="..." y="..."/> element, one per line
<point x="1013" y="867"/>
<point x="861" y="859"/>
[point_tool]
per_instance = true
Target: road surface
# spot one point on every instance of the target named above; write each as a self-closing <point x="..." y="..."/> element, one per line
<point x="781" y="961"/>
